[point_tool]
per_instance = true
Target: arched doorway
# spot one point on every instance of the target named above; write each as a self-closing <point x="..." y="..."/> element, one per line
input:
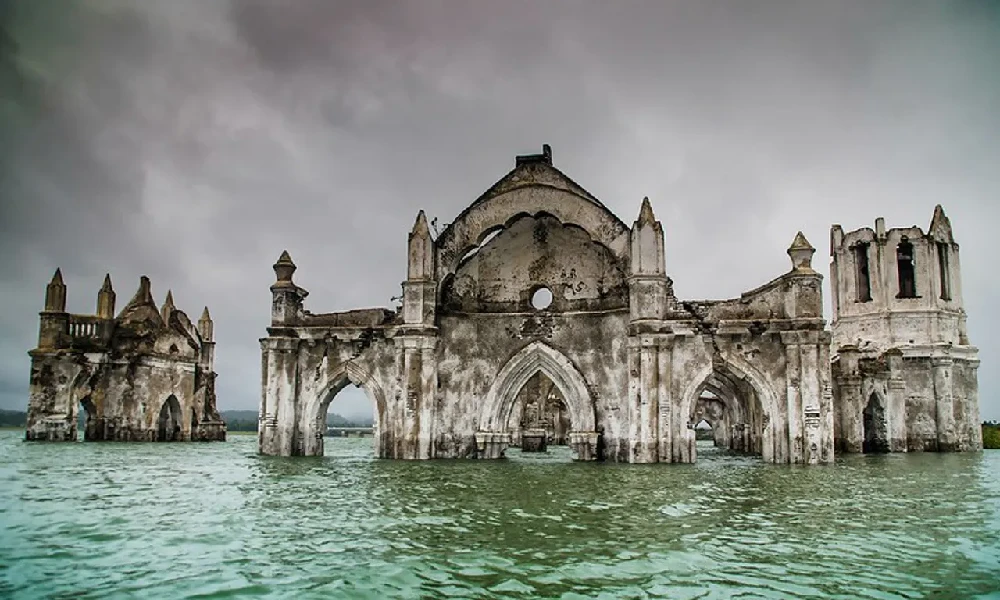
<point x="728" y="399"/>
<point x="86" y="421"/>
<point x="539" y="418"/>
<point x="349" y="386"/>
<point x="539" y="363"/>
<point x="876" y="439"/>
<point x="168" y="427"/>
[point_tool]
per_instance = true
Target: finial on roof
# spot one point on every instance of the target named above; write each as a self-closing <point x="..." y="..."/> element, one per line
<point x="205" y="316"/>
<point x="646" y="213"/>
<point x="55" y="294"/>
<point x="801" y="253"/>
<point x="106" y="286"/>
<point x="143" y="295"/>
<point x="169" y="301"/>
<point x="57" y="278"/>
<point x="284" y="268"/>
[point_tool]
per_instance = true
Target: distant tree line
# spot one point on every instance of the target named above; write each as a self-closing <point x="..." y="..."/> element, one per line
<point x="991" y="435"/>
<point x="246" y="420"/>
<point x="236" y="420"/>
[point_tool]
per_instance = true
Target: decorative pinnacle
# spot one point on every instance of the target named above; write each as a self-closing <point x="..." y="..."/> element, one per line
<point x="106" y="287"/>
<point x="800" y="243"/>
<point x="284" y="268"/>
<point x="143" y="295"/>
<point x="205" y="316"/>
<point x="646" y="213"/>
<point x="420" y="226"/>
<point x="801" y="253"/>
<point x="170" y="299"/>
<point x="57" y="278"/>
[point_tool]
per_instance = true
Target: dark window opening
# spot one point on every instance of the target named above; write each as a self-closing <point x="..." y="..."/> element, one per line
<point x="864" y="277"/>
<point x="906" y="270"/>
<point x="943" y="271"/>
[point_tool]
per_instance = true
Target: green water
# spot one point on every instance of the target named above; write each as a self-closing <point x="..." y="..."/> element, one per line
<point x="218" y="521"/>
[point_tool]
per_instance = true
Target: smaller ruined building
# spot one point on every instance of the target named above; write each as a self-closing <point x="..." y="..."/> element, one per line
<point x="904" y="369"/>
<point x="145" y="375"/>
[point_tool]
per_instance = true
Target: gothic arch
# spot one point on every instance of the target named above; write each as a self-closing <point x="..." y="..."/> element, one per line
<point x="531" y="359"/>
<point x="314" y="414"/>
<point x="746" y="372"/>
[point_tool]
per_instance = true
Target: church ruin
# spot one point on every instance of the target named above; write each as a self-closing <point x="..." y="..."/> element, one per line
<point x="145" y="375"/>
<point x="538" y="316"/>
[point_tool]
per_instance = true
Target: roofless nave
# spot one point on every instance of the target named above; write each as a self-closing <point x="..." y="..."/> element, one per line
<point x="538" y="312"/>
<point x="630" y="368"/>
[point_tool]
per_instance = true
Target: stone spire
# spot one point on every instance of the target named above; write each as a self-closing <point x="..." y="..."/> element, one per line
<point x="168" y="307"/>
<point x="801" y="253"/>
<point x="106" y="299"/>
<point x="55" y="294"/>
<point x="940" y="225"/>
<point x="284" y="269"/>
<point x="646" y="213"/>
<point x="647" y="243"/>
<point x="420" y="263"/>
<point x="206" y="328"/>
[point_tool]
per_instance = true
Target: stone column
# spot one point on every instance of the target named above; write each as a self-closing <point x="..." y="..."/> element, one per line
<point x="583" y="444"/>
<point x="788" y="447"/>
<point x="419" y="383"/>
<point x="665" y="400"/>
<point x="896" y="402"/>
<point x="944" y="402"/>
<point x="491" y="445"/>
<point x="278" y="420"/>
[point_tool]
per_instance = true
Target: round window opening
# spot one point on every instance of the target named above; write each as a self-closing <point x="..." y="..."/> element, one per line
<point x="542" y="298"/>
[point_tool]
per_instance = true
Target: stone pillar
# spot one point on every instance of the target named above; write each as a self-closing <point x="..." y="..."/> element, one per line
<point x="788" y="446"/>
<point x="419" y="396"/>
<point x="278" y="421"/>
<point x="944" y="402"/>
<point x="665" y="399"/>
<point x="896" y="402"/>
<point x="850" y="405"/>
<point x="491" y="445"/>
<point x="106" y="299"/>
<point x="583" y="445"/>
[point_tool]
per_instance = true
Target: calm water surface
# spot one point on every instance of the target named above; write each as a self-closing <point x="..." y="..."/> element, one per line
<point x="218" y="521"/>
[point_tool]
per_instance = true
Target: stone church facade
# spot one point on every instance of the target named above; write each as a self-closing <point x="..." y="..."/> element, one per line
<point x="146" y="374"/>
<point x="633" y="367"/>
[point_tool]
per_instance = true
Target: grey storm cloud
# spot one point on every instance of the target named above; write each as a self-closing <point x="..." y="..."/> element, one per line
<point x="194" y="141"/>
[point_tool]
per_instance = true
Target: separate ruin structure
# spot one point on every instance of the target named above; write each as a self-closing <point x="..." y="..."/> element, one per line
<point x="904" y="370"/>
<point x="145" y="375"/>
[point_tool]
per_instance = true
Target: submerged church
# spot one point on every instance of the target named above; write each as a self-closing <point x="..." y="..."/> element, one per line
<point x="538" y="316"/>
<point x="146" y="374"/>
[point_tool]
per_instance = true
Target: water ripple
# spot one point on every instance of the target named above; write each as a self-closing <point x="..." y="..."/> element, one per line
<point x="218" y="521"/>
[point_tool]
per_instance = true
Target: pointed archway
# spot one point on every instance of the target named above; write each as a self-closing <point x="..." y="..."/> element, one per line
<point x="876" y="438"/>
<point x="169" y="424"/>
<point x="493" y="436"/>
<point x="314" y="425"/>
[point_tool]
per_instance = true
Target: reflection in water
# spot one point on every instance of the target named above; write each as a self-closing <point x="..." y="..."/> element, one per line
<point x="166" y="521"/>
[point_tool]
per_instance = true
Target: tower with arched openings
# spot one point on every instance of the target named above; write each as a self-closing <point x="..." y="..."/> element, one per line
<point x="905" y="372"/>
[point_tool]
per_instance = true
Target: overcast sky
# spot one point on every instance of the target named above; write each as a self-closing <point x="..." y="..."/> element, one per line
<point x="194" y="141"/>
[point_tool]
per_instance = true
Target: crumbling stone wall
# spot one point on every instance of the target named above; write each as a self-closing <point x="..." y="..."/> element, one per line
<point x="136" y="375"/>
